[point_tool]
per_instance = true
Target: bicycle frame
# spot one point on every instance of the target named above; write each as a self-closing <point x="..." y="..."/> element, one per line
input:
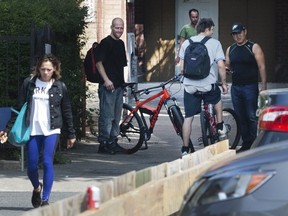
<point x="143" y="108"/>
<point x="134" y="126"/>
<point x="210" y="114"/>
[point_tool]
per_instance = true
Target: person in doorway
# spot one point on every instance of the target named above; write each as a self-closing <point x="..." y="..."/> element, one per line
<point x="188" y="30"/>
<point x="110" y="62"/>
<point x="245" y="59"/>
<point x="48" y="108"/>
<point x="192" y="100"/>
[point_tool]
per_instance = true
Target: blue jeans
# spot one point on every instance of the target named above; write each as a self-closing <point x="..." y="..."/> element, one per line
<point x="110" y="104"/>
<point x="244" y="100"/>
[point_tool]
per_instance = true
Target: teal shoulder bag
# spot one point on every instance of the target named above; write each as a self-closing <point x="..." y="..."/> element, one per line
<point x="20" y="132"/>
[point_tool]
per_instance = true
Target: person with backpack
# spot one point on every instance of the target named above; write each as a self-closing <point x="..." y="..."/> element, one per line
<point x="110" y="62"/>
<point x="245" y="59"/>
<point x="199" y="65"/>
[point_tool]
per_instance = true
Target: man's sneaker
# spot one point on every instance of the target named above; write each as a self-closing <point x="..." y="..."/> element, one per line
<point x="36" y="196"/>
<point x="185" y="150"/>
<point x="111" y="148"/>
<point x="116" y="148"/>
<point x="44" y="203"/>
<point x="222" y="131"/>
<point x="105" y="148"/>
<point x="101" y="148"/>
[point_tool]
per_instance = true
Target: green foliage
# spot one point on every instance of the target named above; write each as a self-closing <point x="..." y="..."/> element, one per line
<point x="12" y="153"/>
<point x="66" y="19"/>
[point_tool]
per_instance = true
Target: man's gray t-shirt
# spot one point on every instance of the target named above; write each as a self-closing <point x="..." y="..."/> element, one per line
<point x="215" y="52"/>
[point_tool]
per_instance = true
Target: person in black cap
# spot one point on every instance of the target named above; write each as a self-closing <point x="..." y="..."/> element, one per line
<point x="245" y="59"/>
<point x="237" y="28"/>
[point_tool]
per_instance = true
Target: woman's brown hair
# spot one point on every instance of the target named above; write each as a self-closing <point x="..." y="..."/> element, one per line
<point x="55" y="62"/>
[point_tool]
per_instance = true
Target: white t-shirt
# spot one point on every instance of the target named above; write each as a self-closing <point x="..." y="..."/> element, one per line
<point x="215" y="52"/>
<point x="40" y="112"/>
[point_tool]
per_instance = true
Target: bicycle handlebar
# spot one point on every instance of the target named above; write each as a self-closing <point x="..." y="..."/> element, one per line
<point x="176" y="78"/>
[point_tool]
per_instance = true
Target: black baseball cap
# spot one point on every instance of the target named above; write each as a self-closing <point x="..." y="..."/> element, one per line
<point x="237" y="28"/>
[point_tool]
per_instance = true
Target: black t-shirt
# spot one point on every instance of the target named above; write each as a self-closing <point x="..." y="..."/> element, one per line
<point x="113" y="56"/>
<point x="243" y="64"/>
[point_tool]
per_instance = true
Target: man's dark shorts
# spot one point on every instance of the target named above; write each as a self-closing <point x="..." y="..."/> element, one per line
<point x="193" y="102"/>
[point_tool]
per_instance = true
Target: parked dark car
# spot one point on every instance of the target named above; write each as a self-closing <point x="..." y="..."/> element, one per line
<point x="251" y="183"/>
<point x="272" y="117"/>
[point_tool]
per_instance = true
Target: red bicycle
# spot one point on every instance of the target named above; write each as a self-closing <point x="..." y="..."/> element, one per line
<point x="135" y="129"/>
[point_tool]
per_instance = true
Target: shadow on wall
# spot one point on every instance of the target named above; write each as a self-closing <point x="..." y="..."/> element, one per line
<point x="161" y="65"/>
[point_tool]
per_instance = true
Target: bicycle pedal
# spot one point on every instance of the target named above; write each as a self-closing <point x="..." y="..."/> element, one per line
<point x="143" y="148"/>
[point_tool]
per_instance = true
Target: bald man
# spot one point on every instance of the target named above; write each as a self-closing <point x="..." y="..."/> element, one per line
<point x="110" y="62"/>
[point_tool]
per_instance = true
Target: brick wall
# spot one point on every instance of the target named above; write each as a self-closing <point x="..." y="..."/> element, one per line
<point x="105" y="12"/>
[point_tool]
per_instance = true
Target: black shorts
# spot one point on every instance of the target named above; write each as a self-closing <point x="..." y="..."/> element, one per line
<point x="193" y="102"/>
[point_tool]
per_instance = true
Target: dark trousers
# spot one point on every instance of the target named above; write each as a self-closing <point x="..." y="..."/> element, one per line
<point x="244" y="100"/>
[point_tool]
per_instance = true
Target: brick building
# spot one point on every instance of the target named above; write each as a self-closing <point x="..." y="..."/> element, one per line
<point x="156" y="24"/>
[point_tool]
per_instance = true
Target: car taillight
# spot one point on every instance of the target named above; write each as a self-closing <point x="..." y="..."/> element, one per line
<point x="274" y="118"/>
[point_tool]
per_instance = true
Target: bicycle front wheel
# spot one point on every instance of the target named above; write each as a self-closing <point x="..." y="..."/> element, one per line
<point x="206" y="130"/>
<point x="232" y="124"/>
<point x="131" y="136"/>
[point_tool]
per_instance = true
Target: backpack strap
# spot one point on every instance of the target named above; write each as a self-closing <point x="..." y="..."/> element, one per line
<point x="93" y="60"/>
<point x="190" y="41"/>
<point x="205" y="39"/>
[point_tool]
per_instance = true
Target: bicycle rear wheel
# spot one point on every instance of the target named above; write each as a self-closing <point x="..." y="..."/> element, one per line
<point x="177" y="120"/>
<point x="232" y="123"/>
<point x="131" y="136"/>
<point x="206" y="130"/>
